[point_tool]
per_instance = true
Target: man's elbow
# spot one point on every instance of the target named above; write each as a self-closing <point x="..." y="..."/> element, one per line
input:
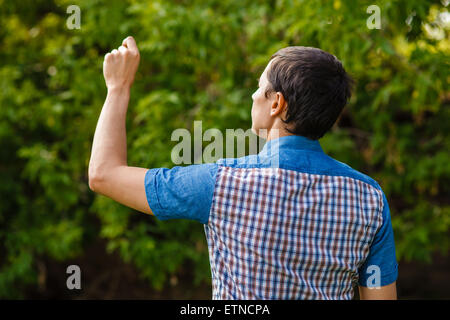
<point x="96" y="180"/>
<point x="94" y="183"/>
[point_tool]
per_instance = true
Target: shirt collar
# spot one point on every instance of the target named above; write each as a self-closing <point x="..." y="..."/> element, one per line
<point x="292" y="142"/>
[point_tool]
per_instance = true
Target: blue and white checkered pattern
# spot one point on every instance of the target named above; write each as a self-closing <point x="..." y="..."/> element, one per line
<point x="284" y="234"/>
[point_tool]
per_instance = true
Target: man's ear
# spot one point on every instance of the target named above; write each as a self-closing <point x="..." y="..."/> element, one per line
<point x="278" y="105"/>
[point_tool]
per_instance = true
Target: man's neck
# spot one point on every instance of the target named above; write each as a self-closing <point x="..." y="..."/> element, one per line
<point x="275" y="133"/>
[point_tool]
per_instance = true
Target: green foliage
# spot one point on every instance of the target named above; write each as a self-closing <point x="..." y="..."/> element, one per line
<point x="199" y="61"/>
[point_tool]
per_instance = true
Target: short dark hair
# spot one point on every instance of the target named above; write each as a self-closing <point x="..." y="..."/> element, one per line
<point x="315" y="86"/>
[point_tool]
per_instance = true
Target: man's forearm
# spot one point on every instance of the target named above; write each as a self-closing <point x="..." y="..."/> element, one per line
<point x="109" y="148"/>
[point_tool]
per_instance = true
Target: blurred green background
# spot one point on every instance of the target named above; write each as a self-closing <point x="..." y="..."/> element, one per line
<point x="200" y="61"/>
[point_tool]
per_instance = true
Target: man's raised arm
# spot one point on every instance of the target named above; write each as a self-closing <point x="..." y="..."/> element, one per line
<point x="109" y="173"/>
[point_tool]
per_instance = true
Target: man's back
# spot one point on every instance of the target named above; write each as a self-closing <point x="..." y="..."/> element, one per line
<point x="288" y="223"/>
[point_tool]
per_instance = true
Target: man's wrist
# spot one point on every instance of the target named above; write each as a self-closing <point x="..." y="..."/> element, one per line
<point x="117" y="99"/>
<point x="121" y="90"/>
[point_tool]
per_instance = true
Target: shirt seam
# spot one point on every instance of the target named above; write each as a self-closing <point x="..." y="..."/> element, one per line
<point x="154" y="187"/>
<point x="378" y="190"/>
<point x="216" y="180"/>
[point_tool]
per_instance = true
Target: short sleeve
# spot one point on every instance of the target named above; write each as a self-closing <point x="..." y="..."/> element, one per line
<point x="381" y="258"/>
<point x="181" y="192"/>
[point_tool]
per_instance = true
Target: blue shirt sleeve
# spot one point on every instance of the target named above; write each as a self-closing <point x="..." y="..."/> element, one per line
<point x="381" y="260"/>
<point x="181" y="192"/>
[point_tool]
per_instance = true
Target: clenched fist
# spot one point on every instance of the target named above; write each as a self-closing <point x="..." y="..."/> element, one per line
<point x="120" y="65"/>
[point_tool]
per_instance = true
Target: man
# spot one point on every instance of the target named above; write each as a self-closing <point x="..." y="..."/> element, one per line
<point x="305" y="226"/>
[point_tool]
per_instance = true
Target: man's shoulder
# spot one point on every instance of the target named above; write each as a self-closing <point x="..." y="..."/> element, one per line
<point x="341" y="168"/>
<point x="250" y="161"/>
<point x="326" y="165"/>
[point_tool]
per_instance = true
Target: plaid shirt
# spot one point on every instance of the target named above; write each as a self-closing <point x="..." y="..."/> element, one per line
<point x="287" y="223"/>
